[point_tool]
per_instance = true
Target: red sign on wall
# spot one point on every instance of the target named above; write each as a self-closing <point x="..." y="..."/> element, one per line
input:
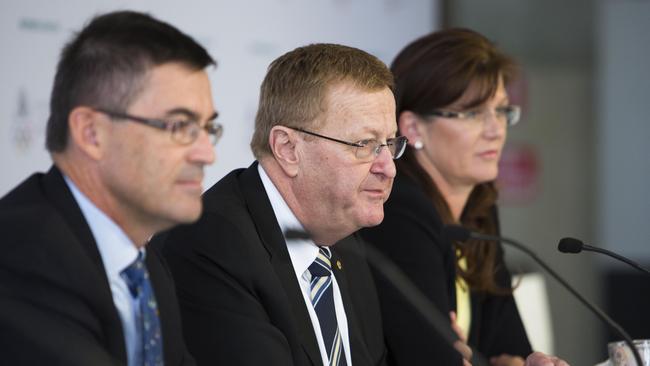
<point x="519" y="170"/>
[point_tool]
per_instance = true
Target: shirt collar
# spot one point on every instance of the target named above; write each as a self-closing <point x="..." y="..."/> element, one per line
<point x="115" y="247"/>
<point x="303" y="252"/>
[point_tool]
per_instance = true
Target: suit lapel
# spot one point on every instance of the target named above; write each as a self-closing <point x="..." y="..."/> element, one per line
<point x="91" y="271"/>
<point x="271" y="236"/>
<point x="59" y="194"/>
<point x="162" y="283"/>
<point x="358" y="349"/>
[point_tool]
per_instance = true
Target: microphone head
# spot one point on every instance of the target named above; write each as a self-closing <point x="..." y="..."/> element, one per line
<point x="570" y="245"/>
<point x="455" y="233"/>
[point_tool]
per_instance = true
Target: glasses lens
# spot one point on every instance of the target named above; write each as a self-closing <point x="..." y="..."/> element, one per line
<point x="510" y="114"/>
<point x="372" y="149"/>
<point x="397" y="146"/>
<point x="185" y="132"/>
<point x="366" y="151"/>
<point x="514" y="113"/>
<point x="215" y="131"/>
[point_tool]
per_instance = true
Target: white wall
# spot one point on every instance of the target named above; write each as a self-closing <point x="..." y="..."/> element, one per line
<point x="243" y="36"/>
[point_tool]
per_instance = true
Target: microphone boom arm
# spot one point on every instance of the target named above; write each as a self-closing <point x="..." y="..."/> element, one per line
<point x="615" y="256"/>
<point x="601" y="314"/>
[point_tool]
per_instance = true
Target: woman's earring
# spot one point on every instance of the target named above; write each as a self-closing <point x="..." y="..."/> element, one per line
<point x="417" y="145"/>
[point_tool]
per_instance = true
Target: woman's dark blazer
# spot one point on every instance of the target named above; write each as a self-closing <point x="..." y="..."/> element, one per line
<point x="410" y="235"/>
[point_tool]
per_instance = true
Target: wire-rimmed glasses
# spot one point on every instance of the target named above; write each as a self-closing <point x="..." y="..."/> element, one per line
<point x="183" y="132"/>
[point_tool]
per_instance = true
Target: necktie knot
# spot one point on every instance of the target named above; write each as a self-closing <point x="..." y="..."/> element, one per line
<point x="135" y="274"/>
<point x="322" y="266"/>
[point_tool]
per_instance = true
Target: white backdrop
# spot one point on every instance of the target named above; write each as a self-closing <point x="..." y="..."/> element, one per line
<point x="243" y="36"/>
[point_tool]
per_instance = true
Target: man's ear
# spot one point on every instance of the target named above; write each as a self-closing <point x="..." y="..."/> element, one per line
<point x="282" y="141"/>
<point x="408" y="126"/>
<point x="88" y="130"/>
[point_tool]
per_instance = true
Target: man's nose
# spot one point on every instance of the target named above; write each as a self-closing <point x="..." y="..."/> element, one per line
<point x="384" y="163"/>
<point x="203" y="152"/>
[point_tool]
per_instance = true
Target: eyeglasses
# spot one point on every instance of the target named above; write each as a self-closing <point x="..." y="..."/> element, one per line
<point x="509" y="114"/>
<point x="368" y="148"/>
<point x="183" y="132"/>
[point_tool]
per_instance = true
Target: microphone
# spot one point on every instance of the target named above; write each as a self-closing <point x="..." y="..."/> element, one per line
<point x="406" y="288"/>
<point x="572" y="245"/>
<point x="459" y="233"/>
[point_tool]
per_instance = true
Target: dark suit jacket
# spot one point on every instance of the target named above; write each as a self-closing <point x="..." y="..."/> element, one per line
<point x="240" y="300"/>
<point x="56" y="306"/>
<point x="411" y="236"/>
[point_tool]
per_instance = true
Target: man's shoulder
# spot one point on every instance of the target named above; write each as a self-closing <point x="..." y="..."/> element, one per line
<point x="226" y="223"/>
<point x="232" y="202"/>
<point x="36" y="235"/>
<point x="37" y="239"/>
<point x="226" y="194"/>
<point x="235" y="230"/>
<point x="49" y="280"/>
<point x="40" y="250"/>
<point x="28" y="192"/>
<point x="29" y="216"/>
<point x="26" y="217"/>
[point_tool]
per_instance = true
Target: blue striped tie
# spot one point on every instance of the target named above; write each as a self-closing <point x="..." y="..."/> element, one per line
<point x="137" y="278"/>
<point x="322" y="298"/>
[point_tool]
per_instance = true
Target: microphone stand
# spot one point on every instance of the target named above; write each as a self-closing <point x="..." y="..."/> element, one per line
<point x="604" y="317"/>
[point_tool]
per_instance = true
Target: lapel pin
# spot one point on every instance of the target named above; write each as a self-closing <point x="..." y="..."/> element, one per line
<point x="339" y="265"/>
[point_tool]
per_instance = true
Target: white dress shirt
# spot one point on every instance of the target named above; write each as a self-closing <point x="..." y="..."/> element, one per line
<point x="303" y="253"/>
<point x="117" y="252"/>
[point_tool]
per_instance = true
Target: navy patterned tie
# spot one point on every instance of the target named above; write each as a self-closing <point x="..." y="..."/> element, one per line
<point x="322" y="297"/>
<point x="137" y="278"/>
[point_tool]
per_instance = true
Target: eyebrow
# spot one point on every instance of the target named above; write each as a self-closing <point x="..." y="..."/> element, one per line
<point x="473" y="105"/>
<point x="373" y="131"/>
<point x="190" y="114"/>
<point x="214" y="116"/>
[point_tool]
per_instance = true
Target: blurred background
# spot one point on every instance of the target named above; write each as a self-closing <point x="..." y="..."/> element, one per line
<point x="575" y="165"/>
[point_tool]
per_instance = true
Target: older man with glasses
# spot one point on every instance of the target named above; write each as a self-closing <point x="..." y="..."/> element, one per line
<point x="251" y="293"/>
<point x="77" y="286"/>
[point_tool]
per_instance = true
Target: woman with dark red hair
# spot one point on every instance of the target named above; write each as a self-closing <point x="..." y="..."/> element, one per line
<point x="453" y="107"/>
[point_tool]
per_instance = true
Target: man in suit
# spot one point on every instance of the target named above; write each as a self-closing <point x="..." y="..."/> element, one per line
<point x="250" y="292"/>
<point x="130" y="131"/>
